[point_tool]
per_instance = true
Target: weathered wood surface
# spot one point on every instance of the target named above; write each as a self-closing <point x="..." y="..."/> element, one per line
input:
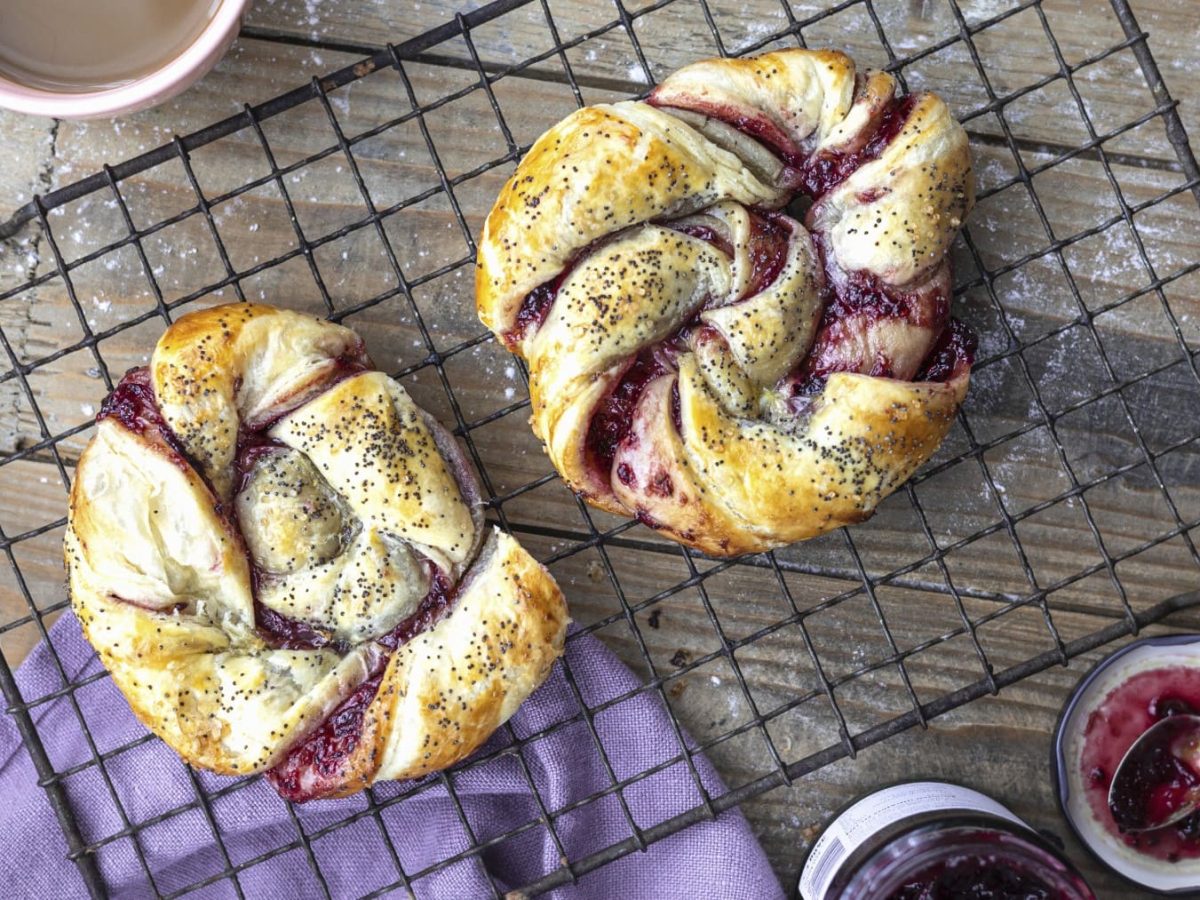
<point x="1016" y="52"/>
<point x="1000" y="744"/>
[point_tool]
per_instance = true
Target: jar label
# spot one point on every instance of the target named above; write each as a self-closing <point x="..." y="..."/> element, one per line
<point x="861" y="821"/>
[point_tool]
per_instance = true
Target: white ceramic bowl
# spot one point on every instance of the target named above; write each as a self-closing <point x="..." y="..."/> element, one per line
<point x="1182" y="877"/>
<point x="160" y="85"/>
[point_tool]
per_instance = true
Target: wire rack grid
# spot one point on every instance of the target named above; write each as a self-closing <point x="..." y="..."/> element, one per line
<point x="940" y="557"/>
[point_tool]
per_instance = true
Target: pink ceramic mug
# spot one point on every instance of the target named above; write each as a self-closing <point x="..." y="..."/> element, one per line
<point x="162" y="84"/>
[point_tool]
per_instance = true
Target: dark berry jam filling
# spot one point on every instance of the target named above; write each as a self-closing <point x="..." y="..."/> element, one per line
<point x="279" y="631"/>
<point x="133" y="404"/>
<point x="818" y="173"/>
<point x="353" y="362"/>
<point x="759" y="127"/>
<point x="982" y="877"/>
<point x="824" y="171"/>
<point x="953" y="353"/>
<point x="534" y="310"/>
<point x="858" y="301"/>
<point x="432" y="609"/>
<point x="768" y="250"/>
<point x="252" y="446"/>
<point x="864" y="296"/>
<point x="536" y="307"/>
<point x="316" y="766"/>
<point x="613" y="418"/>
<point x="151" y="607"/>
<point x="1111" y="729"/>
<point x="283" y="632"/>
<point x="706" y="234"/>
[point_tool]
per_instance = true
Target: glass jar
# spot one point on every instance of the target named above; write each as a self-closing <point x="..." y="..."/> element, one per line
<point x="936" y="841"/>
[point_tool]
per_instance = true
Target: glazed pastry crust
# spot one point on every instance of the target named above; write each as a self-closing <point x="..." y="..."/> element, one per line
<point x="924" y="190"/>
<point x="238" y="365"/>
<point x="369" y="441"/>
<point x="704" y="362"/>
<point x="865" y="439"/>
<point x="163" y="585"/>
<point x="448" y="689"/>
<point x="162" y="590"/>
<point x="804" y="97"/>
<point x="573" y="187"/>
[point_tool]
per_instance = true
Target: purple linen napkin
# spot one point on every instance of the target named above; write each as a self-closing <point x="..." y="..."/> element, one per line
<point x="718" y="859"/>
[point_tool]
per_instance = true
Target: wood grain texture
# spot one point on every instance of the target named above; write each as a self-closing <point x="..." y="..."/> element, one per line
<point x="1017" y="51"/>
<point x="1021" y="410"/>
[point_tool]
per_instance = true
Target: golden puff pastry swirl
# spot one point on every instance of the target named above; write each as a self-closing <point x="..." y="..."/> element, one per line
<point x="700" y="359"/>
<point x="282" y="562"/>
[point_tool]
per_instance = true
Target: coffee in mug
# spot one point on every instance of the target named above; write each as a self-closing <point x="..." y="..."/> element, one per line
<point x="79" y="46"/>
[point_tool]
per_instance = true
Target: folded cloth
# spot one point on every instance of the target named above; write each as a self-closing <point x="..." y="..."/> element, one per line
<point x="241" y="821"/>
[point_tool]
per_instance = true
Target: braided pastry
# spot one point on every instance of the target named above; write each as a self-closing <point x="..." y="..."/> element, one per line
<point x="697" y="357"/>
<point x="282" y="562"/>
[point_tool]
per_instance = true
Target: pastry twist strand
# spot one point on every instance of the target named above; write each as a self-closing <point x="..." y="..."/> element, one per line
<point x="699" y="358"/>
<point x="282" y="562"/>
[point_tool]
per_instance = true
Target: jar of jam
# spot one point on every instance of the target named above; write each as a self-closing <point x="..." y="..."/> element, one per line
<point x="929" y="840"/>
<point x="1113" y="705"/>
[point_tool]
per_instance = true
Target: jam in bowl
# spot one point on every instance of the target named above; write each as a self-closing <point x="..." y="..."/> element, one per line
<point x="1149" y="682"/>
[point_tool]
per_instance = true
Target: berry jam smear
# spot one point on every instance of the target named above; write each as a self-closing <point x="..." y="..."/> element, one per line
<point x="824" y="171"/>
<point x="316" y="767"/>
<point x="434" y="608"/>
<point x="953" y="353"/>
<point x="283" y="632"/>
<point x="818" y="173"/>
<point x="133" y="404"/>
<point x="253" y="446"/>
<point x="1111" y="729"/>
<point x="768" y="250"/>
<point x="865" y="296"/>
<point x="759" y="127"/>
<point x="767" y="247"/>
<point x="706" y="234"/>
<point x="613" y="419"/>
<point x="534" y="309"/>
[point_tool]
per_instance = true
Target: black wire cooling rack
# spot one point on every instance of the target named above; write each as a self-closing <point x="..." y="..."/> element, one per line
<point x="942" y="554"/>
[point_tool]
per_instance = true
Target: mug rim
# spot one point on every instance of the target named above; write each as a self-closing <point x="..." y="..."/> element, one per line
<point x="160" y="84"/>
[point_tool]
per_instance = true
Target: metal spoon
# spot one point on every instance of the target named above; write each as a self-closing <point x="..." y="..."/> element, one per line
<point x="1157" y="782"/>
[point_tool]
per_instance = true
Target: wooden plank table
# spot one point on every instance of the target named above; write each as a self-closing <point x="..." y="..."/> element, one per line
<point x="999" y="744"/>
